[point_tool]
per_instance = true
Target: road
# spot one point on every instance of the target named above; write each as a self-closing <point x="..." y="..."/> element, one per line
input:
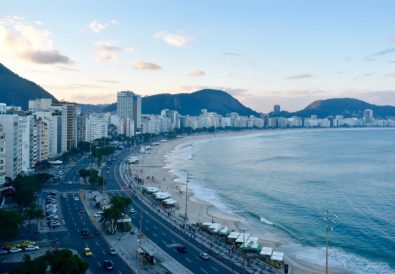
<point x="164" y="234"/>
<point x="76" y="221"/>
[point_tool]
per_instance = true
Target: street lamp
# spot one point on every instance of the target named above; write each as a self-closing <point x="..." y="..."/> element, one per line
<point x="243" y="230"/>
<point x="329" y="223"/>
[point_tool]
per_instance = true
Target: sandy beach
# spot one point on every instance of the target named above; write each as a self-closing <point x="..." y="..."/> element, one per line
<point x="155" y="172"/>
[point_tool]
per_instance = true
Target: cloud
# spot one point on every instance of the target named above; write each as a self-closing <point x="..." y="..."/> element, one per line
<point x="26" y="41"/>
<point x="98" y="27"/>
<point x="107" y="51"/>
<point x="108" y="81"/>
<point x="130" y="50"/>
<point x="390" y="75"/>
<point x="299" y="76"/>
<point x="380" y="53"/>
<point x="141" y="65"/>
<point x="177" y="40"/>
<point x="234" y="54"/>
<point x="197" y="73"/>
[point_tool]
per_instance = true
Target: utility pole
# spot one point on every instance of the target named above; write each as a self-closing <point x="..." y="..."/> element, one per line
<point x="243" y="230"/>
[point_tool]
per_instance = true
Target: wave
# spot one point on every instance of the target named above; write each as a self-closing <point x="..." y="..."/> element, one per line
<point x="337" y="258"/>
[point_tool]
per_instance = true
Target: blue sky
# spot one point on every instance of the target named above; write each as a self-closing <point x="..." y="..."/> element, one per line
<point x="263" y="52"/>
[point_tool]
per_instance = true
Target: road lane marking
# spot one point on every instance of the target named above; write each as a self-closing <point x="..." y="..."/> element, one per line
<point x="214" y="268"/>
<point x="164" y="243"/>
<point x="155" y="227"/>
<point x="98" y="264"/>
<point x="203" y="270"/>
<point x="97" y="243"/>
<point x="103" y="252"/>
<point x="153" y="233"/>
<point x="163" y="233"/>
<point x="188" y="260"/>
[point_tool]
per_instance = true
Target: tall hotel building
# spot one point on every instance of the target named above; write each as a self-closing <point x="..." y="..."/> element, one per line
<point x="129" y="106"/>
<point x="69" y="126"/>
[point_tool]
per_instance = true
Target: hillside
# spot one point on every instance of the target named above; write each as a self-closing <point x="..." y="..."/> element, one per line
<point x="17" y="91"/>
<point x="191" y="103"/>
<point x="348" y="107"/>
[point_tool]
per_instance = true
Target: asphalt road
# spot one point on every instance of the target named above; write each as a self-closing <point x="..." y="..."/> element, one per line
<point x="76" y="221"/>
<point x="166" y="235"/>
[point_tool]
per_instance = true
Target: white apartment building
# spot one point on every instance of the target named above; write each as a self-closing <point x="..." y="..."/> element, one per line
<point x="97" y="126"/>
<point x="2" y="156"/>
<point x="40" y="104"/>
<point x="129" y="106"/>
<point x="13" y="144"/>
<point x="29" y="142"/>
<point x="54" y="128"/>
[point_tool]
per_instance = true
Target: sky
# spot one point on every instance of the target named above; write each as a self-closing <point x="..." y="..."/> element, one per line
<point x="262" y="52"/>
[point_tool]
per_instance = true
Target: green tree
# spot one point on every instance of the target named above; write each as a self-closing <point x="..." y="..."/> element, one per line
<point x="10" y="221"/>
<point x="101" y="182"/>
<point x="110" y="216"/>
<point x="29" y="266"/>
<point x="65" y="262"/>
<point x="34" y="213"/>
<point x="25" y="188"/>
<point x="84" y="173"/>
<point x="93" y="176"/>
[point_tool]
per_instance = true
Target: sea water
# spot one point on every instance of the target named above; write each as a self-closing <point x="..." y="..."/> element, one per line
<point x="282" y="182"/>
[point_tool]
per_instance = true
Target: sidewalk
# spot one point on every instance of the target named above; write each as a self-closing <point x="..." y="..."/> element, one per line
<point x="127" y="245"/>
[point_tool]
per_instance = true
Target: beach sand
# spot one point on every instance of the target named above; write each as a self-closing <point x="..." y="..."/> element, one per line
<point x="153" y="164"/>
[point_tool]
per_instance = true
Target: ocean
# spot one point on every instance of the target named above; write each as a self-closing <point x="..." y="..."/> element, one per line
<point x="282" y="181"/>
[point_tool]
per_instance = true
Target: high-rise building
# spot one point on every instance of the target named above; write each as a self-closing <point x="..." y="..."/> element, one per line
<point x="276" y="109"/>
<point x="13" y="144"/>
<point x="69" y="126"/>
<point x="40" y="104"/>
<point x="29" y="144"/>
<point x="2" y="156"/>
<point x="129" y="106"/>
<point x="97" y="126"/>
<point x="368" y="116"/>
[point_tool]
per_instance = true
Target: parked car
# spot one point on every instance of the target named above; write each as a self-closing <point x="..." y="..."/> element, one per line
<point x="88" y="252"/>
<point x="3" y="251"/>
<point x="182" y="249"/>
<point x="112" y="251"/>
<point x="82" y="210"/>
<point x="32" y="248"/>
<point x="98" y="214"/>
<point x="108" y="265"/>
<point x="204" y="256"/>
<point x="76" y="198"/>
<point x="15" y="250"/>
<point x="64" y="195"/>
<point x="132" y="210"/>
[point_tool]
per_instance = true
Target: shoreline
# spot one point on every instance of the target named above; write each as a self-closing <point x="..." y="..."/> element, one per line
<point x="200" y="210"/>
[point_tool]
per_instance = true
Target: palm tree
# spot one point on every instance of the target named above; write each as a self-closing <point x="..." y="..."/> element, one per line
<point x="33" y="212"/>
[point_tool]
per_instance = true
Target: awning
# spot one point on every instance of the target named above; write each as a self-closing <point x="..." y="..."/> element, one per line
<point x="233" y="235"/>
<point x="277" y="256"/>
<point x="266" y="251"/>
<point x="242" y="238"/>
<point x="148" y="248"/>
<point x="251" y="244"/>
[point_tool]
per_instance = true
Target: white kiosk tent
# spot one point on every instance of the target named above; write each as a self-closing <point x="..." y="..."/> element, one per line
<point x="232" y="237"/>
<point x="162" y="195"/>
<point x="251" y="245"/>
<point x="277" y="256"/>
<point x="266" y="251"/>
<point x="243" y="238"/>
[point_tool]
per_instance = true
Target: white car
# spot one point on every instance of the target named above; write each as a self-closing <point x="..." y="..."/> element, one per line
<point x="76" y="198"/>
<point x="15" y="250"/>
<point x="32" y="248"/>
<point x="98" y="214"/>
<point x="132" y="210"/>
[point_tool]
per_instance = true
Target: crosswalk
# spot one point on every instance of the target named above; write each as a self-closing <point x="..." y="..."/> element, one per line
<point x="73" y="192"/>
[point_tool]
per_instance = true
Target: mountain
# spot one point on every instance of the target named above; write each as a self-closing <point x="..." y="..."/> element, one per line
<point x="348" y="107"/>
<point x="17" y="91"/>
<point x="191" y="103"/>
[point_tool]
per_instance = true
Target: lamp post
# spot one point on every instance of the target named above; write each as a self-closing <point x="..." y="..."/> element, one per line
<point x="329" y="222"/>
<point x="186" y="196"/>
<point x="243" y="230"/>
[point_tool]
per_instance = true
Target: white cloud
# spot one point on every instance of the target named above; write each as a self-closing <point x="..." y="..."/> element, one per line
<point x="130" y="50"/>
<point x="197" y="73"/>
<point x="107" y="51"/>
<point x="25" y="41"/>
<point x="98" y="27"/>
<point x="141" y="65"/>
<point x="177" y="40"/>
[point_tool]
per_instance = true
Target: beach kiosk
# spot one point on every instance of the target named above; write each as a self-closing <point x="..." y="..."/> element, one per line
<point x="243" y="238"/>
<point x="231" y="238"/>
<point x="266" y="253"/>
<point x="251" y="246"/>
<point x="277" y="259"/>
<point x="169" y="203"/>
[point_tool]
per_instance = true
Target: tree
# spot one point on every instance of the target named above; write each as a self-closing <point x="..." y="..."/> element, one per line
<point x="33" y="212"/>
<point x="10" y="221"/>
<point x="29" y="266"/>
<point x="60" y="261"/>
<point x="25" y="188"/>
<point x="93" y="176"/>
<point x="117" y="209"/>
<point x="65" y="262"/>
<point x="42" y="177"/>
<point x="101" y="182"/>
<point x="84" y="173"/>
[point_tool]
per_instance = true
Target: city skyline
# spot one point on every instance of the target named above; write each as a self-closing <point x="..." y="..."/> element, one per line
<point x="261" y="53"/>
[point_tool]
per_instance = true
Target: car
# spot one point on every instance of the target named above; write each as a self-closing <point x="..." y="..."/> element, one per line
<point x="64" y="195"/>
<point x="88" y="252"/>
<point x="182" y="249"/>
<point x="98" y="214"/>
<point x="108" y="265"/>
<point x="82" y="210"/>
<point x="132" y="211"/>
<point x="15" y="250"/>
<point x="112" y="251"/>
<point x="69" y="182"/>
<point x="76" y="198"/>
<point x="32" y="248"/>
<point x="204" y="256"/>
<point x="54" y="224"/>
<point x="3" y="251"/>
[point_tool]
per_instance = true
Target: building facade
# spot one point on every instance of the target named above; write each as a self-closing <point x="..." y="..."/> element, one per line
<point x="129" y="106"/>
